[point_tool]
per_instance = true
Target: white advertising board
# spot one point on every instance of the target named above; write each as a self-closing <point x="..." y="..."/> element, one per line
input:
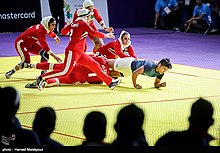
<point x="70" y="6"/>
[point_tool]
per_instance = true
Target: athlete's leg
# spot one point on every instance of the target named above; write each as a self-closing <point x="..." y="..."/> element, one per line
<point x="44" y="56"/>
<point x="89" y="62"/>
<point x="71" y="57"/>
<point x="24" y="55"/>
<point x="73" y="78"/>
<point x="37" y="50"/>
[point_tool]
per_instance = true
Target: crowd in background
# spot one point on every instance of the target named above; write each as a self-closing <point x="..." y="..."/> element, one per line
<point x="200" y="16"/>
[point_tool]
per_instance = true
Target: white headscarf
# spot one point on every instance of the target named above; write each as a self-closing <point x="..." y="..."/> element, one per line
<point x="120" y="40"/>
<point x="82" y="14"/>
<point x="82" y="18"/>
<point x="45" y="22"/>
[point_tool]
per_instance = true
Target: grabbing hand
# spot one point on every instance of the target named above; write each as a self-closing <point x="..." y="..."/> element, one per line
<point x="57" y="59"/>
<point x="137" y="86"/>
<point x="57" y="40"/>
<point x="109" y="29"/>
<point x="110" y="35"/>
<point x="163" y="84"/>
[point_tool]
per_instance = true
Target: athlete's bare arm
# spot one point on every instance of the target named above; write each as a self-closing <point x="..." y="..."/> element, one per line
<point x="157" y="83"/>
<point x="135" y="75"/>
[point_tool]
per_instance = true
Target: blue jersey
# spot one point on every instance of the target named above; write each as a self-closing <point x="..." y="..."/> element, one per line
<point x="161" y="4"/>
<point x="203" y="9"/>
<point x="149" y="68"/>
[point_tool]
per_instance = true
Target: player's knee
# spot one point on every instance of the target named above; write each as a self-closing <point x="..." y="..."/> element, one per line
<point x="44" y="55"/>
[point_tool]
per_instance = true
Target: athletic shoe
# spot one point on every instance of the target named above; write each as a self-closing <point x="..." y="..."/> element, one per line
<point x="43" y="72"/>
<point x="114" y="83"/>
<point x="27" y="65"/>
<point x="21" y="65"/>
<point x="9" y="74"/>
<point x="176" y="29"/>
<point x="31" y="85"/>
<point x="207" y="31"/>
<point x="40" y="83"/>
<point x="214" y="31"/>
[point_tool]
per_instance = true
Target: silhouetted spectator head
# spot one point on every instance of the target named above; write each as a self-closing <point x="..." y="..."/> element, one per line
<point x="129" y="121"/>
<point x="9" y="105"/>
<point x="94" y="127"/>
<point x="201" y="114"/>
<point x="44" y="121"/>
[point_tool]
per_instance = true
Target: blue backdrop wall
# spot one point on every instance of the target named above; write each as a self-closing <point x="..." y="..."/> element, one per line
<point x="131" y="13"/>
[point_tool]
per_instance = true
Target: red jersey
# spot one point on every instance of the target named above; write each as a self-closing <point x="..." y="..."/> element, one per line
<point x="113" y="50"/>
<point x="78" y="31"/>
<point x="80" y="74"/>
<point x="83" y="74"/>
<point x="35" y="34"/>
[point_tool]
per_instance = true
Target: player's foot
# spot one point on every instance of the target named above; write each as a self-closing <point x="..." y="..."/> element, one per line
<point x="40" y="83"/>
<point x="27" y="65"/>
<point x="19" y="65"/>
<point x="9" y="73"/>
<point x="114" y="83"/>
<point x="43" y="72"/>
<point x="31" y="85"/>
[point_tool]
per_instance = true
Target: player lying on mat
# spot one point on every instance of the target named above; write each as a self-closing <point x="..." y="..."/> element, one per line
<point x="79" y="74"/>
<point x="121" y="66"/>
<point x="131" y="66"/>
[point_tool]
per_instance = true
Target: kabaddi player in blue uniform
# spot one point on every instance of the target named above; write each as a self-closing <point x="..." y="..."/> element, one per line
<point x="131" y="66"/>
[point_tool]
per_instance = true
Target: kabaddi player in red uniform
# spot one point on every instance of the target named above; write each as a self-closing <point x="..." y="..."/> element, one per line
<point x="33" y="40"/>
<point x="75" y="51"/>
<point x="88" y="4"/>
<point x="118" y="48"/>
<point x="79" y="74"/>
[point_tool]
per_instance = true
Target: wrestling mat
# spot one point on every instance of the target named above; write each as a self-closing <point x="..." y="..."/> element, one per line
<point x="165" y="109"/>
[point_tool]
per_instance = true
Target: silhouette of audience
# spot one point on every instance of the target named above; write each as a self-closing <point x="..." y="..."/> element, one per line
<point x="197" y="134"/>
<point x="11" y="132"/>
<point x="44" y="124"/>
<point x="94" y="129"/>
<point x="129" y="127"/>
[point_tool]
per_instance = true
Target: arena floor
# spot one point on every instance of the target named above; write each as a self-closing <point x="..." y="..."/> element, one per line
<point x="165" y="109"/>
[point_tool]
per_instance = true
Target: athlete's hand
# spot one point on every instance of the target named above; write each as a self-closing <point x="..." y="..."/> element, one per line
<point x="110" y="35"/>
<point x="57" y="40"/>
<point x="137" y="86"/>
<point x="163" y="84"/>
<point x="57" y="59"/>
<point x="109" y="29"/>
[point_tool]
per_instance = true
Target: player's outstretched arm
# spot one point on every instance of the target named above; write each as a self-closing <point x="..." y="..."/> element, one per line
<point x="135" y="75"/>
<point x="157" y="83"/>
